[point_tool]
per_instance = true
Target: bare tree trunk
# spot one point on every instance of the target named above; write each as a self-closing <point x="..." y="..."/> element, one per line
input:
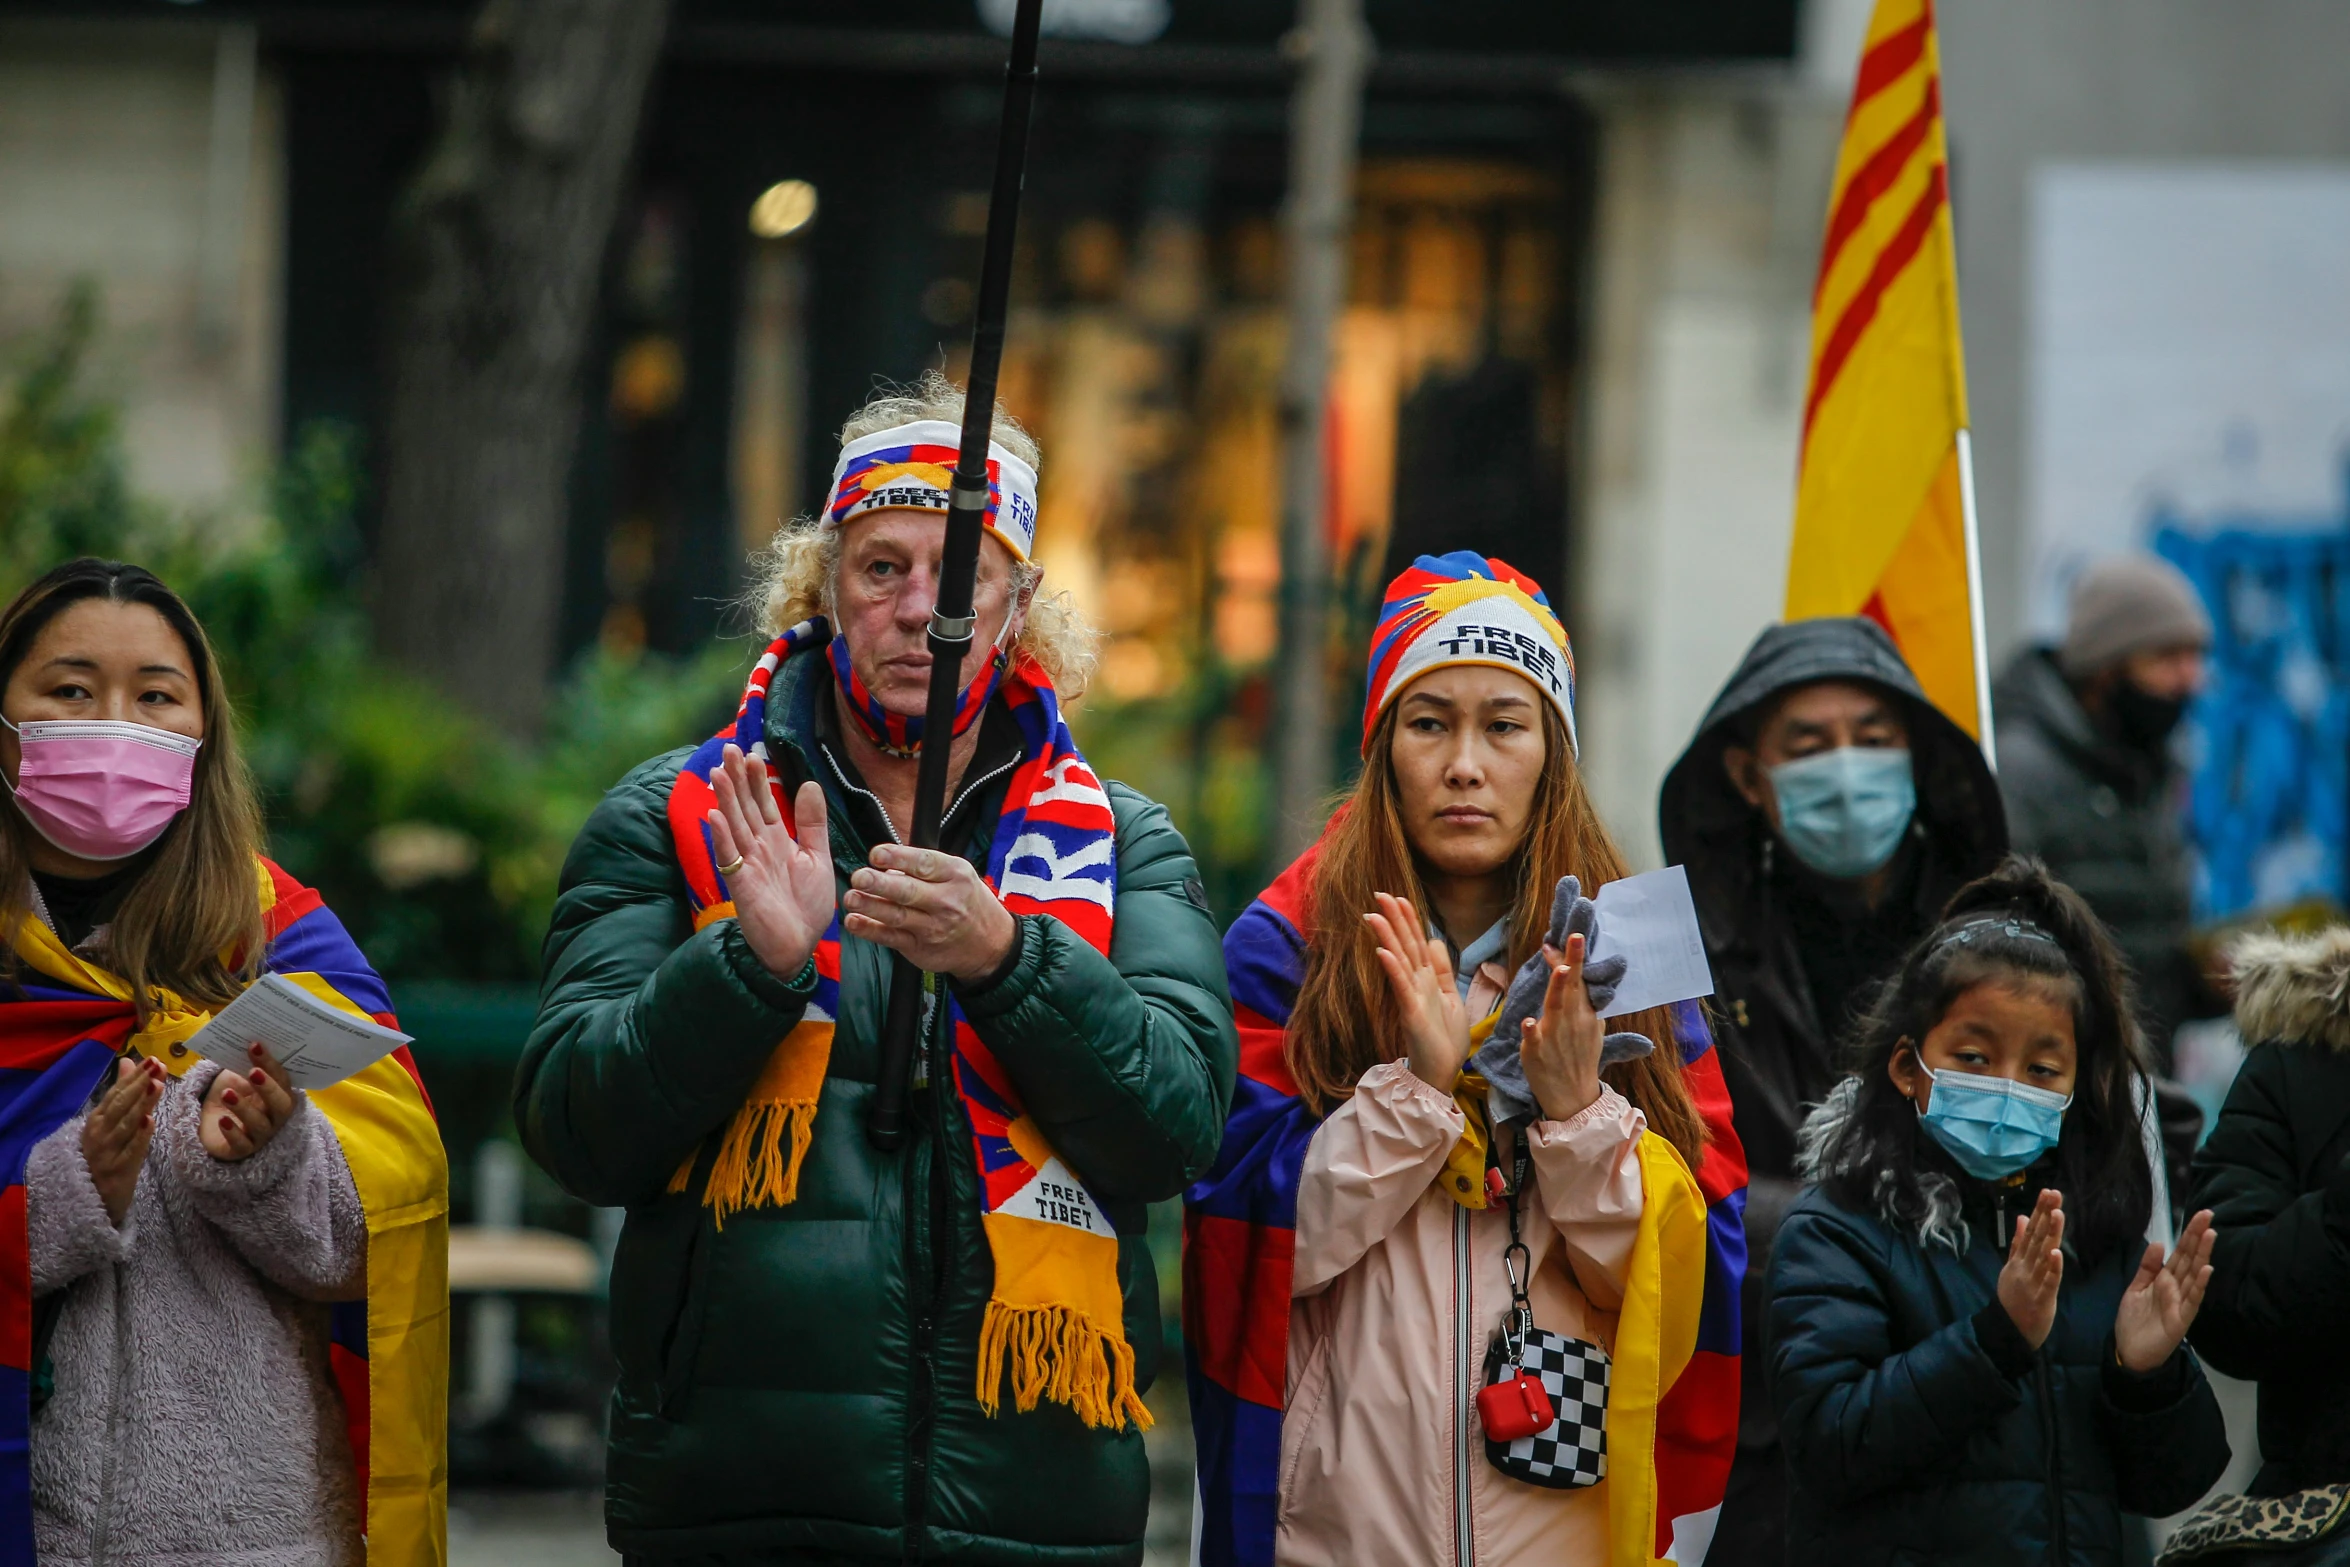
<point x="498" y="250"/>
<point x="1325" y="116"/>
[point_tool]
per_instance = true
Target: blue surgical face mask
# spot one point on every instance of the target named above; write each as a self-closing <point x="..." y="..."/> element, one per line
<point x="1843" y="811"/>
<point x="1993" y="1126"/>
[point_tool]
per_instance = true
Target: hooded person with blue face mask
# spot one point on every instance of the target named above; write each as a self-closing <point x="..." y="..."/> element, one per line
<point x="1825" y="811"/>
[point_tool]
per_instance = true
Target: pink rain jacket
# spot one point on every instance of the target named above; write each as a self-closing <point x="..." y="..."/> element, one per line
<point x="1397" y="1291"/>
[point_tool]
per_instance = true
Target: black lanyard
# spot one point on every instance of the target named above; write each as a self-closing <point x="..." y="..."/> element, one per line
<point x="1517" y="1262"/>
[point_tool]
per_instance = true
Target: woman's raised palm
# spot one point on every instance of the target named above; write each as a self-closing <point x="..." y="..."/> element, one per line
<point x="1427" y="997"/>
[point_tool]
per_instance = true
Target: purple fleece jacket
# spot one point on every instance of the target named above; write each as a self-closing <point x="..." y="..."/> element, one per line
<point x="194" y="1418"/>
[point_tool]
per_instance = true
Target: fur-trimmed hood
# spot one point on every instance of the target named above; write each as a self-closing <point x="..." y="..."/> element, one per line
<point x="2294" y="989"/>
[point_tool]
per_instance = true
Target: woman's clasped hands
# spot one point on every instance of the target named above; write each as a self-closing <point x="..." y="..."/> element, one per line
<point x="2156" y="1309"/>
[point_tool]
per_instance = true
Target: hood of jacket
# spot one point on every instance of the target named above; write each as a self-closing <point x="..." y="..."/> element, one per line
<point x="1706" y="823"/>
<point x="2294" y="988"/>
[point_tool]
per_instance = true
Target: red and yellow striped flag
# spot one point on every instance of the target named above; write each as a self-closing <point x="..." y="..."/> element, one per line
<point x="1883" y="513"/>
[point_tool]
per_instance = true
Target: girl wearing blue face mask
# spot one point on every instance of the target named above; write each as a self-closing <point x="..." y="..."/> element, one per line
<point x="1975" y="1354"/>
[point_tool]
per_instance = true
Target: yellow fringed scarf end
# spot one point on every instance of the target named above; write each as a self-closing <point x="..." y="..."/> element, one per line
<point x="754" y="1169"/>
<point x="1056" y="1353"/>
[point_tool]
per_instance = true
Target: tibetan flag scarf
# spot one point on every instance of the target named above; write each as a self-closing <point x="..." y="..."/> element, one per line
<point x="1673" y="1413"/>
<point x="61" y="1026"/>
<point x="1056" y="1316"/>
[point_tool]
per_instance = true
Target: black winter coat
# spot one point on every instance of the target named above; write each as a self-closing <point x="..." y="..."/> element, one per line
<point x="1777" y="1052"/>
<point x="2275" y="1173"/>
<point x="1918" y="1426"/>
<point x="2106" y="819"/>
<point x="797" y="1386"/>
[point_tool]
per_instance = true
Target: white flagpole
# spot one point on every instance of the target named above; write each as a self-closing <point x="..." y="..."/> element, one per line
<point x="1974" y="596"/>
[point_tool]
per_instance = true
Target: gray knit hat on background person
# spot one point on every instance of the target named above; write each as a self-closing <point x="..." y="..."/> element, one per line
<point x="2128" y="604"/>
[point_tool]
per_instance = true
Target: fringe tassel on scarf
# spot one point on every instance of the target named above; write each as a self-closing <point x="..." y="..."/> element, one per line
<point x="754" y="1168"/>
<point x="1055" y="1352"/>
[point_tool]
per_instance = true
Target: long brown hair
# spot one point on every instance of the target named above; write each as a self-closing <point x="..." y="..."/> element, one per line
<point x="191" y="921"/>
<point x="1345" y="1020"/>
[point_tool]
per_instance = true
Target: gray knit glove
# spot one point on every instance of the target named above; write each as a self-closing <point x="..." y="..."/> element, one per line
<point x="1571" y="914"/>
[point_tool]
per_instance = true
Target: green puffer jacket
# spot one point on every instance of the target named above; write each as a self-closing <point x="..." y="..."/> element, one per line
<point x="798" y="1386"/>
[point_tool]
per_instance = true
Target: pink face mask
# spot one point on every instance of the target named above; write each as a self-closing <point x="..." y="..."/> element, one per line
<point x="98" y="788"/>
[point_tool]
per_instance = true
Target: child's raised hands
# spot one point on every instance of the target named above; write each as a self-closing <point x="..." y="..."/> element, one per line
<point x="2161" y="1302"/>
<point x="2035" y="1268"/>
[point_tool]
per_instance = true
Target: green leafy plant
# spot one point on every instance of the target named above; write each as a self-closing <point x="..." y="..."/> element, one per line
<point x="435" y="836"/>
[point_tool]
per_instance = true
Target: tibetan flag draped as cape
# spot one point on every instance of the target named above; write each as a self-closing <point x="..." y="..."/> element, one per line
<point x="1883" y="503"/>
<point x="1669" y="1459"/>
<point x="61" y="1026"/>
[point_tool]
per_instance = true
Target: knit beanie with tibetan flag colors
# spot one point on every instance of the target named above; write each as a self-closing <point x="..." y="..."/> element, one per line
<point x="1462" y="608"/>
<point x="913" y="466"/>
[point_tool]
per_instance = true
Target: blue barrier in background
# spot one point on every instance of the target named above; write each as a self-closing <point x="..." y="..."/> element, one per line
<point x="2268" y="742"/>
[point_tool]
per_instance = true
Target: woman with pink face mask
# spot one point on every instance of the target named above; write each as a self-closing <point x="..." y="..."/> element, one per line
<point x="224" y="1274"/>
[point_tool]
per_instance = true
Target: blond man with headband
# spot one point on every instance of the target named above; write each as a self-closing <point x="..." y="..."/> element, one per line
<point x="829" y="1353"/>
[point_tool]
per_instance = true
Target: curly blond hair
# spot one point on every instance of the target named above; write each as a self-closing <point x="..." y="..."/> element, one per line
<point x="795" y="572"/>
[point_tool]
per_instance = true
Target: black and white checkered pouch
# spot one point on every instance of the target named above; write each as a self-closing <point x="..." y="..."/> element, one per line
<point x="1573" y="1451"/>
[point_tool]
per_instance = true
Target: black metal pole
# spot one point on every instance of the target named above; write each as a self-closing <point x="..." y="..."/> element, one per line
<point x="951" y="619"/>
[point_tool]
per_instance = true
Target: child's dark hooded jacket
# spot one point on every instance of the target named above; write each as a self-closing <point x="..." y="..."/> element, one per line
<point x="1920" y="1428"/>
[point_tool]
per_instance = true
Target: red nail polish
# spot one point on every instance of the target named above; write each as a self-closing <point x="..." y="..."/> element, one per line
<point x="228" y="1096"/>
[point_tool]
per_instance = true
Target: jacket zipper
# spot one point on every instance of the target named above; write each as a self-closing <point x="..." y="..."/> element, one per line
<point x="1464" y="1391"/>
<point x="922" y="1402"/>
<point x="938" y="1224"/>
<point x="970" y="788"/>
<point x="881" y="811"/>
<point x="2060" y="1551"/>
<point x="922" y="1395"/>
<point x="101" y="1525"/>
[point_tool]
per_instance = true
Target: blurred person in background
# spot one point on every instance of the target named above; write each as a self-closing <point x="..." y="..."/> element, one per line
<point x="1976" y="1353"/>
<point x="1825" y="811"/>
<point x="1428" y="1087"/>
<point x="2086" y="766"/>
<point x="828" y="1352"/>
<point x="2275" y="1173"/>
<point x="193" y="1239"/>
